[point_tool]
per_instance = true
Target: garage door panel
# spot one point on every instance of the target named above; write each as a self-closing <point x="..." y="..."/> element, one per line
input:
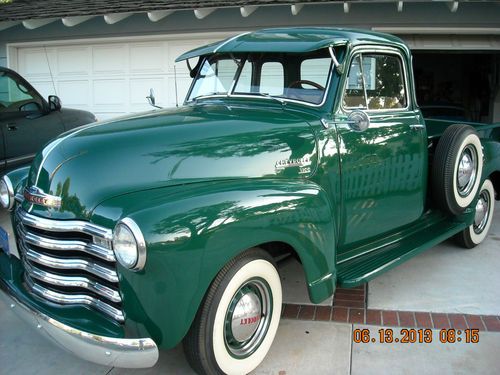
<point x="147" y="58"/>
<point x="75" y="93"/>
<point x="110" y="59"/>
<point x="35" y="62"/>
<point x="73" y="61"/>
<point x="110" y="93"/>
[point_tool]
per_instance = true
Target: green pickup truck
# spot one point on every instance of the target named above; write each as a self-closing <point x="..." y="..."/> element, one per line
<point x="138" y="233"/>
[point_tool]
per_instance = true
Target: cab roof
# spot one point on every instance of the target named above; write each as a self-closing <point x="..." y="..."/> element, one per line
<point x="293" y="40"/>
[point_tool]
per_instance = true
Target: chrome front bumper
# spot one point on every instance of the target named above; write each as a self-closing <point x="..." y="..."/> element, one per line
<point x="107" y="351"/>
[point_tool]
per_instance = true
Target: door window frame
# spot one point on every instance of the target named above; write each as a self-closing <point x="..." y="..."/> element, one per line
<point x="359" y="52"/>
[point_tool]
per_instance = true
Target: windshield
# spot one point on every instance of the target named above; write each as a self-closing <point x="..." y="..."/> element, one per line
<point x="301" y="77"/>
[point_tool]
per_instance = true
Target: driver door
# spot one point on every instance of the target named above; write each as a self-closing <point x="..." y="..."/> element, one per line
<point x="26" y="123"/>
<point x="384" y="167"/>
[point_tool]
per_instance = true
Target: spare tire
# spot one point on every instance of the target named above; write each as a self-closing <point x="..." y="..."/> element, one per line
<point x="457" y="168"/>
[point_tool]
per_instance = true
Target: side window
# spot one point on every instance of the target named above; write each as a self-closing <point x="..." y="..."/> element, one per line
<point x="384" y="80"/>
<point x="14" y="96"/>
<point x="272" y="78"/>
<point x="381" y="77"/>
<point x="354" y="96"/>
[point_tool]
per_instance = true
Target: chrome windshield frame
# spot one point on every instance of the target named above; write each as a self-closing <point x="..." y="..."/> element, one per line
<point x="231" y="94"/>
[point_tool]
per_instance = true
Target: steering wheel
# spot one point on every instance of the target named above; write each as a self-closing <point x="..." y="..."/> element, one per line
<point x="306" y="82"/>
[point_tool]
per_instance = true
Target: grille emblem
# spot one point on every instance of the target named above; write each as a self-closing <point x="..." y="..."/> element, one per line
<point x="37" y="196"/>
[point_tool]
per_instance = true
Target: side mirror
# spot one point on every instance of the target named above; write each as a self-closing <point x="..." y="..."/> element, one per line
<point x="54" y="103"/>
<point x="151" y="98"/>
<point x="358" y="120"/>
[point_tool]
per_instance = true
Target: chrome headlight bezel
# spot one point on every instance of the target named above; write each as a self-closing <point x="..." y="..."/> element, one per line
<point x="6" y="185"/>
<point x="140" y="244"/>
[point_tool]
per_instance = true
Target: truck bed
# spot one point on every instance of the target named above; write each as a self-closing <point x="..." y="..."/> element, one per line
<point x="435" y="128"/>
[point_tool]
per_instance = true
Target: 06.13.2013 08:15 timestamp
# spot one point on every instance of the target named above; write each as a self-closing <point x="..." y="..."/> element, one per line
<point x="415" y="336"/>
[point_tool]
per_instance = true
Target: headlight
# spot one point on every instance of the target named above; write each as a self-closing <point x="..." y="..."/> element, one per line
<point x="6" y="193"/>
<point x="129" y="245"/>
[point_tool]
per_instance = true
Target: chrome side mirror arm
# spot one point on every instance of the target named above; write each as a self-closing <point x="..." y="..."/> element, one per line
<point x="357" y="120"/>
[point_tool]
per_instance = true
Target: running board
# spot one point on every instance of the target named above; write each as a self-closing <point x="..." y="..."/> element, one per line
<point x="358" y="270"/>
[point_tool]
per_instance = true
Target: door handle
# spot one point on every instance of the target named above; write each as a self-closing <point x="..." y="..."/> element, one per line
<point x="417" y="127"/>
<point x="11" y="127"/>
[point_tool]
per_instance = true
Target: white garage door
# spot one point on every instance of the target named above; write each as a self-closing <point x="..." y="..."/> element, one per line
<point x="108" y="78"/>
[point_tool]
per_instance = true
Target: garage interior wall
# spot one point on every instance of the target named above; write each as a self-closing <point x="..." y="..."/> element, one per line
<point x="109" y="69"/>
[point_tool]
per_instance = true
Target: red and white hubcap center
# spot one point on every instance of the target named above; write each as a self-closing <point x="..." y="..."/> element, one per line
<point x="246" y="317"/>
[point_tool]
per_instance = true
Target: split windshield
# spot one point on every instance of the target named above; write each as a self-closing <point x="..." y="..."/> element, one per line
<point x="301" y="77"/>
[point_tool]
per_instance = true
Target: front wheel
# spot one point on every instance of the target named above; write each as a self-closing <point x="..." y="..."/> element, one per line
<point x="477" y="232"/>
<point x="237" y="322"/>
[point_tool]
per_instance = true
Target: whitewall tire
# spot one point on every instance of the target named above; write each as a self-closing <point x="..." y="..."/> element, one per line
<point x="457" y="169"/>
<point x="239" y="317"/>
<point x="477" y="232"/>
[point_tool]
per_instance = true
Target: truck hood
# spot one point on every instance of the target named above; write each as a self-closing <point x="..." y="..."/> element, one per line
<point x="185" y="145"/>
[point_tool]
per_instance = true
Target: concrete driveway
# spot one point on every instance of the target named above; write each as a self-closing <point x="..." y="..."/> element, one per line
<point x="445" y="279"/>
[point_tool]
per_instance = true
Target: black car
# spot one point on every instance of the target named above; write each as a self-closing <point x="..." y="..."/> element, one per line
<point x="28" y="121"/>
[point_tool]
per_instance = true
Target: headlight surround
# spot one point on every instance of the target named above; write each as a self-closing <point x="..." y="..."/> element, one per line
<point x="6" y="193"/>
<point x="129" y="245"/>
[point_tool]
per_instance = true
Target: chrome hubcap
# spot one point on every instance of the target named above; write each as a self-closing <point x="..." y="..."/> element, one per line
<point x="482" y="212"/>
<point x="466" y="174"/>
<point x="248" y="318"/>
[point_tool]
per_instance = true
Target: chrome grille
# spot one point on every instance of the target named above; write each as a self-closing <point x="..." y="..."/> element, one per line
<point x="66" y="262"/>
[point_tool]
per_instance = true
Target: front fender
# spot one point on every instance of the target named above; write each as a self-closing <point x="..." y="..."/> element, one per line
<point x="192" y="231"/>
<point x="18" y="177"/>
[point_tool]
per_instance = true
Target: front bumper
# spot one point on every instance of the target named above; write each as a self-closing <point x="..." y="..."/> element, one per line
<point x="108" y="351"/>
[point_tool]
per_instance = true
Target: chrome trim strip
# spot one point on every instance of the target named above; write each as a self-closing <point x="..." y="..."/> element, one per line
<point x="68" y="263"/>
<point x="73" y="299"/>
<point x="67" y="245"/>
<point x="417" y="126"/>
<point x="20" y="159"/>
<point x="73" y="281"/>
<point x="107" y="351"/>
<point x="64" y="225"/>
<point x="19" y="198"/>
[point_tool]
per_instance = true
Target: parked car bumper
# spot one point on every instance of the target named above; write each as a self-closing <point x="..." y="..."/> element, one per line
<point x="108" y="351"/>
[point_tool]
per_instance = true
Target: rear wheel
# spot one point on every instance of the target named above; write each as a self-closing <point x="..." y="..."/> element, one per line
<point x="477" y="232"/>
<point x="239" y="317"/>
